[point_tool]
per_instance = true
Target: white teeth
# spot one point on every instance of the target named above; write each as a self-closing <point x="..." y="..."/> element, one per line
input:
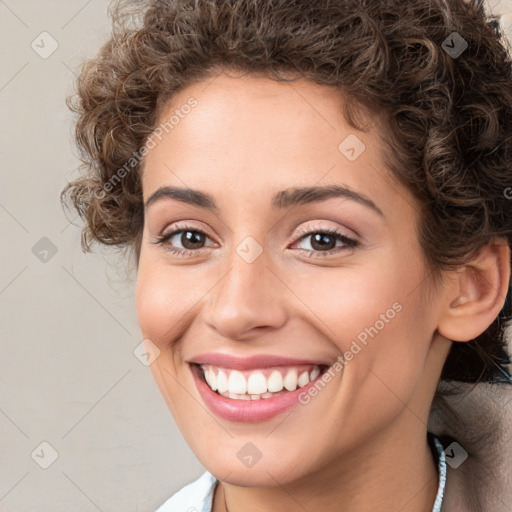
<point x="275" y="382"/>
<point x="303" y="379"/>
<point x="290" y="381"/>
<point x="237" y="396"/>
<point x="222" y="382"/>
<point x="237" y="383"/>
<point x="254" y="385"/>
<point x="257" y="384"/>
<point x="211" y="378"/>
<point x="314" y="374"/>
<point x="207" y="378"/>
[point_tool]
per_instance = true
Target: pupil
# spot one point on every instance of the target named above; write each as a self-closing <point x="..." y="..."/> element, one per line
<point x="190" y="238"/>
<point x="322" y="240"/>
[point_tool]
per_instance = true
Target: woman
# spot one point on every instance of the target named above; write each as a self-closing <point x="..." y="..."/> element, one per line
<point x="315" y="195"/>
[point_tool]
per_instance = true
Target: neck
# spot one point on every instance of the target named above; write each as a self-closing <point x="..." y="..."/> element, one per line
<point x="393" y="472"/>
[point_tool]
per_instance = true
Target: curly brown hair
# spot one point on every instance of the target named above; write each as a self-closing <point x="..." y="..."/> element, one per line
<point x="448" y="116"/>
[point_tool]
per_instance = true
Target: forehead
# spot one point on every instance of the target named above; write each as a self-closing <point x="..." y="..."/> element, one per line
<point x="256" y="109"/>
<point x="267" y="134"/>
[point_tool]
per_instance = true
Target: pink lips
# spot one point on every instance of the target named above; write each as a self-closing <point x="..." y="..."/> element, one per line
<point x="247" y="411"/>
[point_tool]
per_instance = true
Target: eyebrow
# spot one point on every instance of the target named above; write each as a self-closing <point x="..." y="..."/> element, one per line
<point x="282" y="199"/>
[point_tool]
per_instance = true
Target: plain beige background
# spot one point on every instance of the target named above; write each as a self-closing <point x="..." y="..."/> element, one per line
<point x="69" y="377"/>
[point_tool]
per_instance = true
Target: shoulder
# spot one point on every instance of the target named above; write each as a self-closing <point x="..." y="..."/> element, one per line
<point x="194" y="497"/>
<point x="474" y="425"/>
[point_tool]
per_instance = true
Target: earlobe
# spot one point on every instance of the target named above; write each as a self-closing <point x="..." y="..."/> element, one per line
<point x="477" y="294"/>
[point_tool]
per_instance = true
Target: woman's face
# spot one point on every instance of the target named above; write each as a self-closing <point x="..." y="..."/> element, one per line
<point x="262" y="296"/>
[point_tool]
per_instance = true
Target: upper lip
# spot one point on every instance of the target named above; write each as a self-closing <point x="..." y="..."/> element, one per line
<point x="251" y="362"/>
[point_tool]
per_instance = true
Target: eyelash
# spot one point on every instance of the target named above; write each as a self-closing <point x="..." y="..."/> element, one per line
<point x="350" y="243"/>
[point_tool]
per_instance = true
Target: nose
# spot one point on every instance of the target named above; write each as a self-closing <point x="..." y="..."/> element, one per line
<point x="248" y="299"/>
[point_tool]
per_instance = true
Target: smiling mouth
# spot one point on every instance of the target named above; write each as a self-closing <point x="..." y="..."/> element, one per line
<point x="257" y="384"/>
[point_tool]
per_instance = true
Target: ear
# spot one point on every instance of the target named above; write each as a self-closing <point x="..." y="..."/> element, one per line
<point x="477" y="293"/>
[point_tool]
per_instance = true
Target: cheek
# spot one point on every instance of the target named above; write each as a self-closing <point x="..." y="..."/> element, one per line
<point x="164" y="300"/>
<point x="345" y="304"/>
<point x="155" y="309"/>
<point x="388" y="355"/>
<point x="160" y="306"/>
<point x="375" y="317"/>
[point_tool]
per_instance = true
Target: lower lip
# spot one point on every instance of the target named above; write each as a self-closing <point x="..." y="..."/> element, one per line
<point x="247" y="411"/>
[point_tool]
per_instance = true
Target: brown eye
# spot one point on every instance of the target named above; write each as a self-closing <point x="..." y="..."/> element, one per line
<point x="184" y="240"/>
<point x="191" y="239"/>
<point x="323" y="242"/>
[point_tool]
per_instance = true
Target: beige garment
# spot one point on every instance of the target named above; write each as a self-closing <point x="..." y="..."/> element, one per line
<point x="479" y="418"/>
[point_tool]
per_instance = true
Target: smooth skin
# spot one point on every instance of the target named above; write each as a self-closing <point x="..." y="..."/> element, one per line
<point x="361" y="442"/>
